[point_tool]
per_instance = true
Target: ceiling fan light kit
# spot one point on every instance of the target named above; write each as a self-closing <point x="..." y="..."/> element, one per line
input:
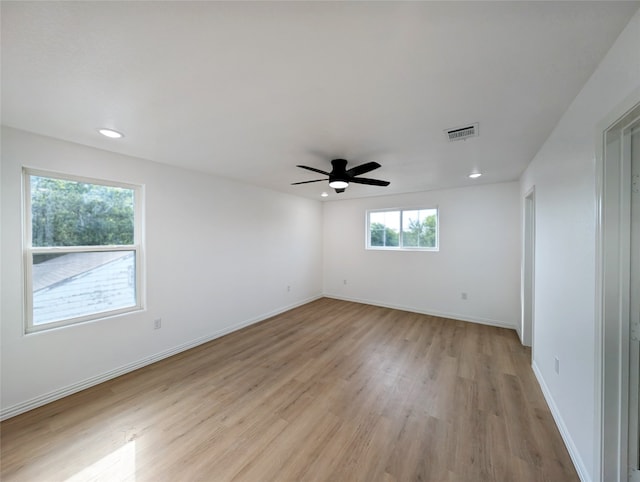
<point x="340" y="177"/>
<point x="338" y="184"/>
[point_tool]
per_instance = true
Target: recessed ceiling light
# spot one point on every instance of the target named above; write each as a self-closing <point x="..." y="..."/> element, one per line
<point x="324" y="194"/>
<point x="110" y="133"/>
<point x="475" y="175"/>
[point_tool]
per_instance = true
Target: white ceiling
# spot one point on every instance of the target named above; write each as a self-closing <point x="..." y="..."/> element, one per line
<point x="248" y="90"/>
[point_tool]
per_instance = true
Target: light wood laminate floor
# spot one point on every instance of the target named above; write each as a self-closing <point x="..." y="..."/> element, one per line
<point x="330" y="391"/>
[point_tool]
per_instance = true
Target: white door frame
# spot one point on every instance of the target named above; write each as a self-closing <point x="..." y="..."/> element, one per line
<point x="631" y="139"/>
<point x="612" y="297"/>
<point x="528" y="269"/>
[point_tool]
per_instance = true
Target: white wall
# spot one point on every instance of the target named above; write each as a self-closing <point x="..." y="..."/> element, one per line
<point x="479" y="255"/>
<point x="219" y="254"/>
<point x="563" y="173"/>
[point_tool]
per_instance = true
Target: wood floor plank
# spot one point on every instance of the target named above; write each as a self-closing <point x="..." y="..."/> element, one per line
<point x="329" y="391"/>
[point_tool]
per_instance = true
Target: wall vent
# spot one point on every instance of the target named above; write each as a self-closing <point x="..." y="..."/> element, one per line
<point x="462" y="133"/>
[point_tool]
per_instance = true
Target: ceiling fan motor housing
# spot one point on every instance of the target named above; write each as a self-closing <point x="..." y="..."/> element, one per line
<point x="339" y="171"/>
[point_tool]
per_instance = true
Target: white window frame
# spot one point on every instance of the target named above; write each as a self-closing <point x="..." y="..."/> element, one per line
<point x="29" y="250"/>
<point x="401" y="247"/>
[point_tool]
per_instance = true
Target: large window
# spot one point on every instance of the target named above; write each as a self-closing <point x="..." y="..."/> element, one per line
<point x="82" y="249"/>
<point x="415" y="229"/>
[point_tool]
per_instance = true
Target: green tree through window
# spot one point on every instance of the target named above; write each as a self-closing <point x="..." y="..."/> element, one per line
<point x="411" y="229"/>
<point x="72" y="213"/>
<point x="84" y="249"/>
<point x="420" y="233"/>
<point x="382" y="235"/>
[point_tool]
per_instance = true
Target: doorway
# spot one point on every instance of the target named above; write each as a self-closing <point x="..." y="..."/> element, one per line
<point x="528" y="269"/>
<point x="619" y="275"/>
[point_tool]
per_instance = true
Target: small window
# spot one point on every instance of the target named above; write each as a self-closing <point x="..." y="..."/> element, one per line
<point x="82" y="249"/>
<point x="415" y="229"/>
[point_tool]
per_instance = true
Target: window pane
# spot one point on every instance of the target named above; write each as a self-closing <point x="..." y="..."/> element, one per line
<point x="79" y="284"/>
<point x="419" y="228"/>
<point x="72" y="213"/>
<point x="384" y="228"/>
<point x="410" y="228"/>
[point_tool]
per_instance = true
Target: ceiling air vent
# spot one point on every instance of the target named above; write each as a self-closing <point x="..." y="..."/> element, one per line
<point x="462" y="133"/>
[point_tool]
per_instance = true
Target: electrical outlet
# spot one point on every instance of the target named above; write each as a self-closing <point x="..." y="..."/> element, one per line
<point x="157" y="323"/>
<point x="288" y="288"/>
<point x="557" y="365"/>
<point x="463" y="296"/>
<point x="344" y="281"/>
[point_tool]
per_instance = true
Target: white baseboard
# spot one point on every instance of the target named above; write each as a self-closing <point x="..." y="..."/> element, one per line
<point x="90" y="382"/>
<point x="441" y="314"/>
<point x="518" y="331"/>
<point x="578" y="463"/>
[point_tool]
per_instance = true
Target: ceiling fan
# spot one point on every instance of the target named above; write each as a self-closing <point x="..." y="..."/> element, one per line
<point x="340" y="177"/>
